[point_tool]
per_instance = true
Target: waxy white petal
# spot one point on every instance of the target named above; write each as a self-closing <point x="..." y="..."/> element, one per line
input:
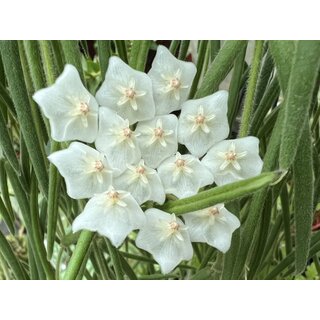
<point x="184" y="175"/>
<point x="171" y="80"/>
<point x="203" y="122"/>
<point x="85" y="170"/>
<point x="116" y="140"/>
<point x="214" y="229"/>
<point x="72" y="111"/>
<point x="166" y="238"/>
<point x="158" y="139"/>
<point x="114" y="220"/>
<point x="234" y="160"/>
<point x="127" y="91"/>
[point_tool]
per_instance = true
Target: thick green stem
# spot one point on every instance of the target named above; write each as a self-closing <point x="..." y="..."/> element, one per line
<point x="251" y="89"/>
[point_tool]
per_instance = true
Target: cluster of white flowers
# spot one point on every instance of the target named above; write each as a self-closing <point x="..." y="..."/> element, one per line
<point x="136" y="156"/>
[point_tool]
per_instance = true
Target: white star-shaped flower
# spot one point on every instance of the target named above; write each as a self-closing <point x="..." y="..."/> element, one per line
<point x="213" y="225"/>
<point x="127" y="91"/>
<point x="166" y="238"/>
<point x="171" y="80"/>
<point x="184" y="175"/>
<point x="85" y="170"/>
<point x="142" y="182"/>
<point x="158" y="139"/>
<point x="72" y="111"/>
<point x="113" y="214"/>
<point x="203" y="122"/>
<point x="116" y="140"/>
<point x="233" y="160"/>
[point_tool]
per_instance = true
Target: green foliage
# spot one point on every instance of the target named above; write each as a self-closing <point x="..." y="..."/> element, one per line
<point x="274" y="96"/>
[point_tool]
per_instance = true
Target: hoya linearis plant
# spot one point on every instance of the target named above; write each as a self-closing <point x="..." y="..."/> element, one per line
<point x="159" y="159"/>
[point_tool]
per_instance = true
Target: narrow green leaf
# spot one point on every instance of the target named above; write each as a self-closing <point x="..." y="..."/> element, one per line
<point x="13" y="69"/>
<point x="72" y="54"/>
<point x="6" y="144"/>
<point x="78" y="255"/>
<point x="303" y="198"/>
<point x="104" y="52"/>
<point x="220" y="67"/>
<point x="270" y="97"/>
<point x="282" y="52"/>
<point x="115" y="259"/>
<point x="184" y="46"/>
<point x="203" y="46"/>
<point x="11" y="259"/>
<point x="235" y="86"/>
<point x="284" y="197"/>
<point x="251" y="89"/>
<point x="302" y="79"/>
<point x="139" y="54"/>
<point x="222" y="194"/>
<point x="37" y="232"/>
<point x="174" y="46"/>
<point x="122" y="50"/>
<point x="6" y="216"/>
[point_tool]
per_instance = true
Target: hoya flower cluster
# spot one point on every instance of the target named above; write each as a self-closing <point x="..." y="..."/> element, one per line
<point x="126" y="153"/>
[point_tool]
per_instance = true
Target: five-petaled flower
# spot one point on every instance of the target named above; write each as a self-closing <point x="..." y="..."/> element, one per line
<point x="203" y="122"/>
<point x="171" y="80"/>
<point x="126" y="91"/>
<point x="113" y="214"/>
<point x="85" y="170"/>
<point x="166" y="238"/>
<point x="72" y="111"/>
<point x="233" y="160"/>
<point x="213" y="225"/>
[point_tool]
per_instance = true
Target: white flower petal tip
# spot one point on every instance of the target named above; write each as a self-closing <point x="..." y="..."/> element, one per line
<point x="184" y="175"/>
<point x="203" y="122"/>
<point x="113" y="214"/>
<point x="166" y="238"/>
<point x="127" y="91"/>
<point x="72" y="111"/>
<point x="116" y="140"/>
<point x="171" y="80"/>
<point x="85" y="170"/>
<point x="157" y="139"/>
<point x="234" y="160"/>
<point x="213" y="225"/>
<point x="142" y="182"/>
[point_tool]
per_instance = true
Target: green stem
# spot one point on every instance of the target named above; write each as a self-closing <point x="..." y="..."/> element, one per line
<point x="78" y="255"/>
<point x="251" y="89"/>
<point x="139" y="54"/>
